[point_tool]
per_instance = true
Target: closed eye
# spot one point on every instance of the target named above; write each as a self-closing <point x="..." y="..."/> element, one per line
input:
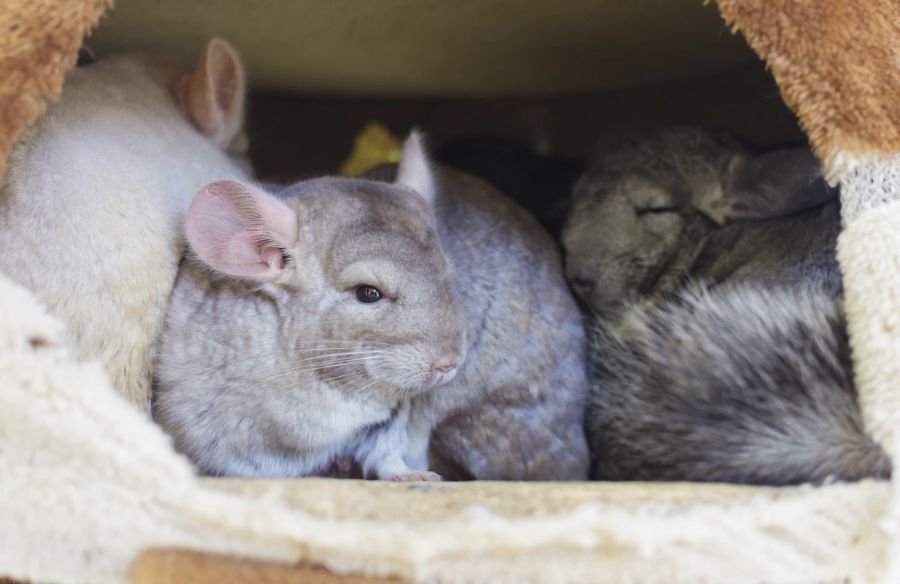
<point x="582" y="283"/>
<point x="655" y="210"/>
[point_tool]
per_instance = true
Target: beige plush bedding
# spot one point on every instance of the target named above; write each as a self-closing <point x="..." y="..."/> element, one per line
<point x="88" y="486"/>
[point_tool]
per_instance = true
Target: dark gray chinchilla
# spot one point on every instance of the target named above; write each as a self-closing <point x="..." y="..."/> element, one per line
<point x="719" y="350"/>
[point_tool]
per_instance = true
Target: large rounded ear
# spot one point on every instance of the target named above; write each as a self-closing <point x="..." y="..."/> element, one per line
<point x="415" y="170"/>
<point x="790" y="180"/>
<point x="213" y="94"/>
<point x="239" y="230"/>
<point x="769" y="186"/>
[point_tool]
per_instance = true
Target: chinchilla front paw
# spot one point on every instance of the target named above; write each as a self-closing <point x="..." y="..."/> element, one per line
<point x="410" y="476"/>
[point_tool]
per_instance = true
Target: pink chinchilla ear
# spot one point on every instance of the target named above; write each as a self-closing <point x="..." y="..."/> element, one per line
<point x="240" y="230"/>
<point x="213" y="94"/>
<point x="415" y="170"/>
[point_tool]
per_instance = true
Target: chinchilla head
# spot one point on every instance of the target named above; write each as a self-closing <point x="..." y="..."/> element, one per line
<point x="363" y="289"/>
<point x="620" y="234"/>
<point x="648" y="201"/>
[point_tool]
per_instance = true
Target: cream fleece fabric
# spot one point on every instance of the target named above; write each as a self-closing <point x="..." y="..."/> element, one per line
<point x="869" y="254"/>
<point x="87" y="482"/>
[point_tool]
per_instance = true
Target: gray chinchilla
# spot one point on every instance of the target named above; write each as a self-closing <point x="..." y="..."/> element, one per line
<point x="351" y="317"/>
<point x="719" y="348"/>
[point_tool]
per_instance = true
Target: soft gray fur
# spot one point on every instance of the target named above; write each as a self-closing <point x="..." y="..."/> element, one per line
<point x="748" y="382"/>
<point x="289" y="376"/>
<point x="516" y="410"/>
<point x="744" y="384"/>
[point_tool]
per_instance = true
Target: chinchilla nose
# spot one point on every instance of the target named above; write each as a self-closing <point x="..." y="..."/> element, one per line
<point x="444" y="364"/>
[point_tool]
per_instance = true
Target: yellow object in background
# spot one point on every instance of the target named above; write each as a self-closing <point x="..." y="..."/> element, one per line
<point x="373" y="145"/>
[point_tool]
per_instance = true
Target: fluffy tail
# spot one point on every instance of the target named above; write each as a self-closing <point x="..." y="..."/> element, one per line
<point x="741" y="384"/>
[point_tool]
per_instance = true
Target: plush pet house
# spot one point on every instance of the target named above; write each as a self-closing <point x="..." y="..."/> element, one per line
<point x="91" y="490"/>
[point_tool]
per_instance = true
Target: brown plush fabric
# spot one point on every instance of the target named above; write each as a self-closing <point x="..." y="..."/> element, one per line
<point x="39" y="41"/>
<point x="837" y="63"/>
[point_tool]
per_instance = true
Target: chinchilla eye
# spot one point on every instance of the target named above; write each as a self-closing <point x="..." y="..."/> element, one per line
<point x="368" y="294"/>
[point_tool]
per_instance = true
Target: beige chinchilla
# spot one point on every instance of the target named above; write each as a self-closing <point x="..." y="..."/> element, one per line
<point x="96" y="190"/>
<point x="348" y="317"/>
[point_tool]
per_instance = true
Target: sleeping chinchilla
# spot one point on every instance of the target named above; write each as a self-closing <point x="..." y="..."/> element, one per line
<point x="354" y="318"/>
<point x="719" y="349"/>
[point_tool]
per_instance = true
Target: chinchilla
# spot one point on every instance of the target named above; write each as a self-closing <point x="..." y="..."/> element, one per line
<point x="719" y="348"/>
<point x="96" y="190"/>
<point x="357" y="317"/>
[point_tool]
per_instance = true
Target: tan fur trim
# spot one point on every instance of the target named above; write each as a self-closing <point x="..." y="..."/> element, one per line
<point x="40" y="42"/>
<point x="837" y="64"/>
<point x="175" y="566"/>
